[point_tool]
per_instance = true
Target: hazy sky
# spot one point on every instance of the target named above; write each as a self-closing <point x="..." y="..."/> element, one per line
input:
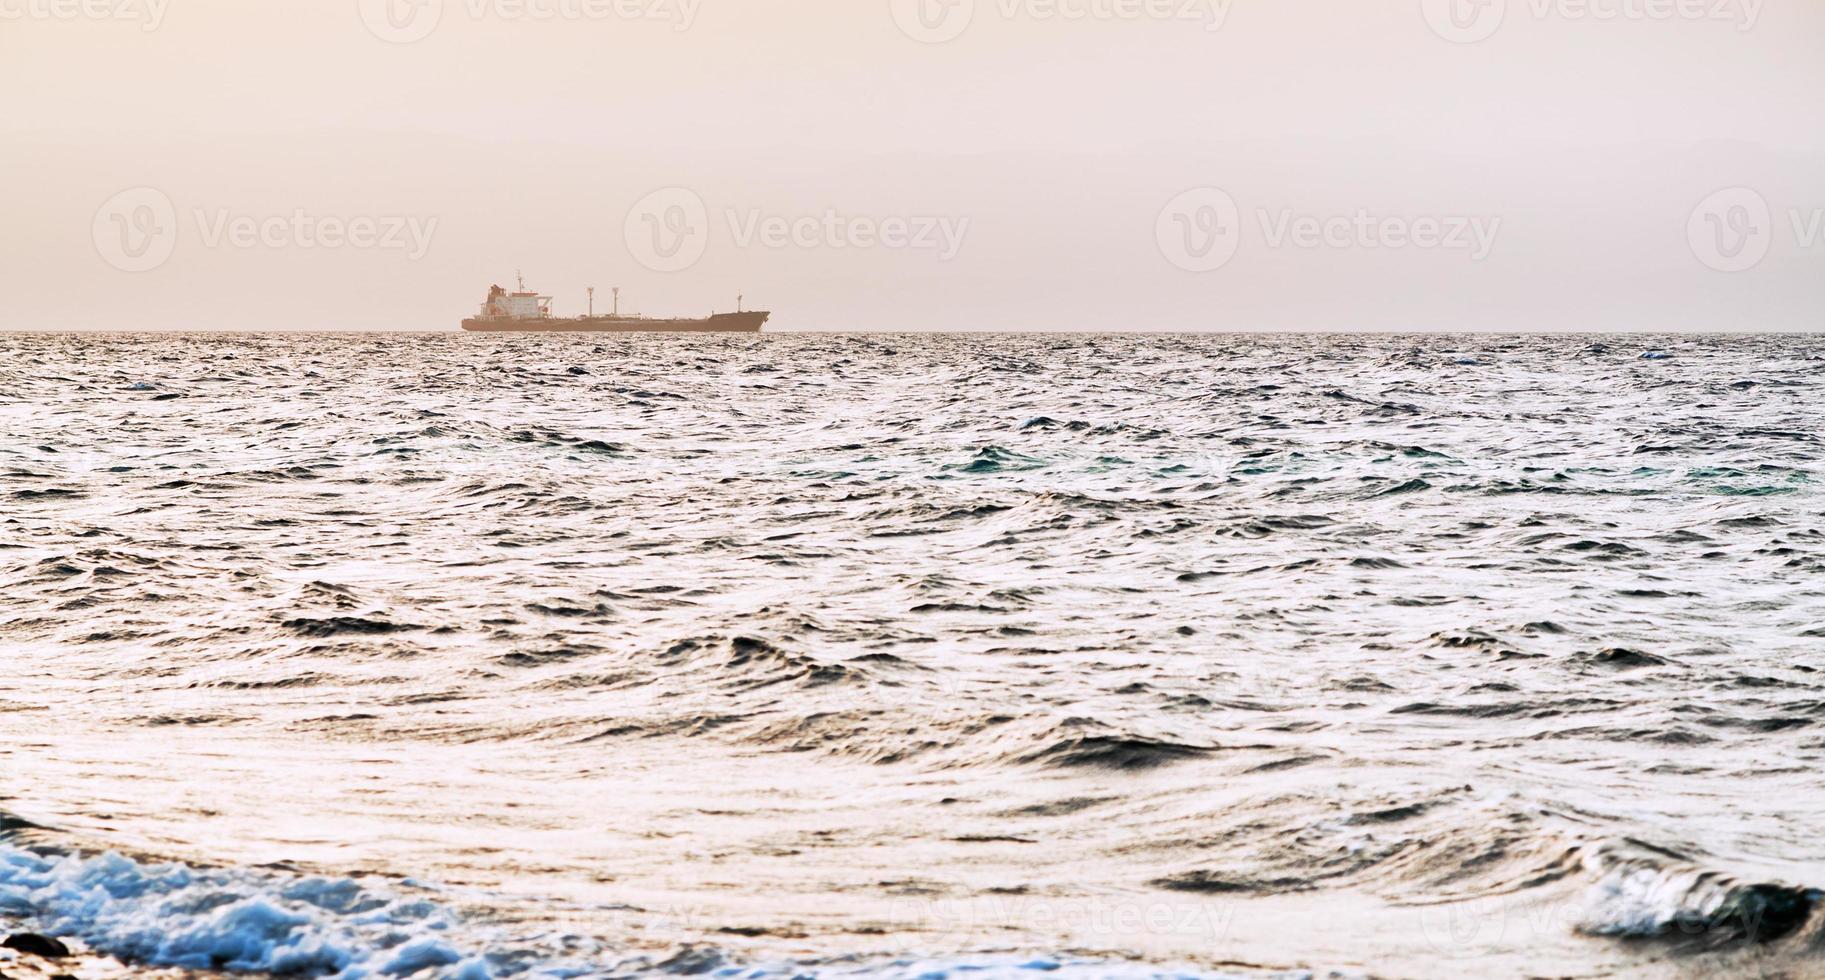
<point x="917" y="164"/>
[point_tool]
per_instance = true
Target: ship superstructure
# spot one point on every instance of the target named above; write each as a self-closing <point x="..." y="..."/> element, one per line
<point x="520" y="305"/>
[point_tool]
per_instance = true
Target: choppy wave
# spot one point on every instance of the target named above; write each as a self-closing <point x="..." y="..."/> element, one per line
<point x="872" y="653"/>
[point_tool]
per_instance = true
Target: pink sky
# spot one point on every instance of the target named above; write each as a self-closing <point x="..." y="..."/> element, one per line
<point x="867" y="164"/>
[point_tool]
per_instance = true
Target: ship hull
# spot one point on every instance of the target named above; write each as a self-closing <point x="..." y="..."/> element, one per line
<point x="716" y="323"/>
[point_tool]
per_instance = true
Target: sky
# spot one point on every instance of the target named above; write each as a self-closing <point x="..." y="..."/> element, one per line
<point x="1486" y="165"/>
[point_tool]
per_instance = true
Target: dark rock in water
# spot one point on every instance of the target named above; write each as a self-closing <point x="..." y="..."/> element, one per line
<point x="35" y="945"/>
<point x="1770" y="912"/>
<point x="1760" y="913"/>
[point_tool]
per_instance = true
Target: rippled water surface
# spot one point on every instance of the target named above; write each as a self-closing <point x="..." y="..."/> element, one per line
<point x="896" y="655"/>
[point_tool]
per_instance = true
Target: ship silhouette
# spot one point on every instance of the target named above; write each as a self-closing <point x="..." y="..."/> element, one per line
<point x="524" y="311"/>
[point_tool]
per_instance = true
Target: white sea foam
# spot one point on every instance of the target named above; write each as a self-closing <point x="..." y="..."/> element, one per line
<point x="1642" y="900"/>
<point x="173" y="915"/>
<point x="241" y="920"/>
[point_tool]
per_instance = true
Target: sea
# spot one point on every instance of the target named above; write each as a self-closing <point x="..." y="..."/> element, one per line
<point x="915" y="656"/>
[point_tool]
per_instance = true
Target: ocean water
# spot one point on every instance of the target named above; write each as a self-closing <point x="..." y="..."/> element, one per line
<point x="916" y="656"/>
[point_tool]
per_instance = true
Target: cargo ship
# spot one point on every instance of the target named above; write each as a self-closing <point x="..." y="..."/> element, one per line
<point x="528" y="312"/>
